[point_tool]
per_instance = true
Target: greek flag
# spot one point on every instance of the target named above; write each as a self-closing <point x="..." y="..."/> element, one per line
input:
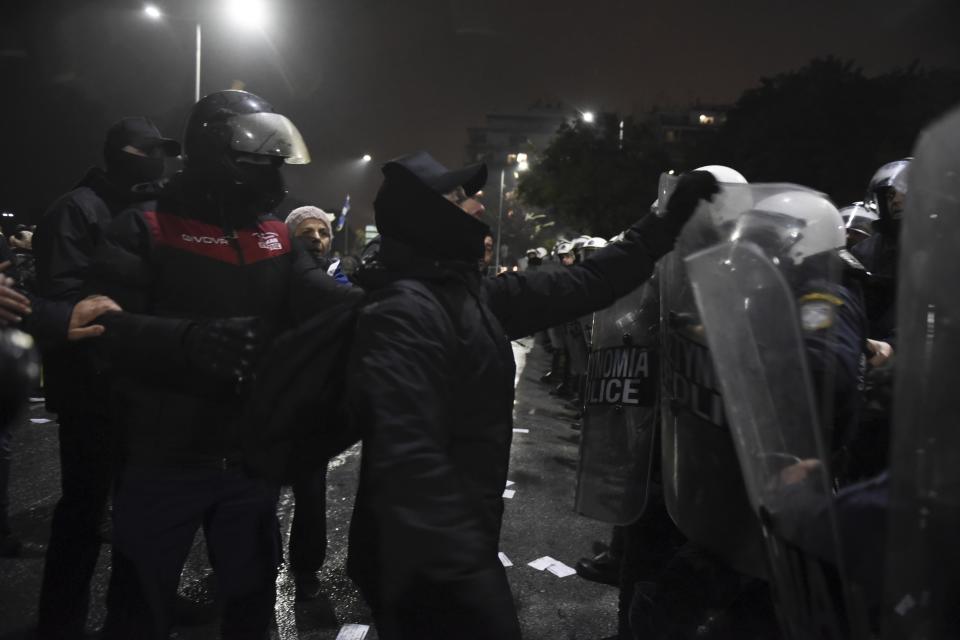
<point x="343" y="213"/>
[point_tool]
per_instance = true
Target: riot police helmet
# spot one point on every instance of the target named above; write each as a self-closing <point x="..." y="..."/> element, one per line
<point x="731" y="201"/>
<point x="593" y="245"/>
<point x="794" y="224"/>
<point x="858" y="220"/>
<point x="887" y="190"/>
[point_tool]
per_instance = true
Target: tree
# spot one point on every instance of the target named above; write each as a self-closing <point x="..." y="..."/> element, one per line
<point x="828" y="126"/>
<point x="592" y="180"/>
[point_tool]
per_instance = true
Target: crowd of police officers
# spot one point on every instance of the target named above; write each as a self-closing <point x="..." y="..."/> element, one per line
<point x="767" y="422"/>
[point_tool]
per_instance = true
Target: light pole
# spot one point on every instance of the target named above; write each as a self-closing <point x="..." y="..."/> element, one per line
<point x="248" y="13"/>
<point x="520" y="161"/>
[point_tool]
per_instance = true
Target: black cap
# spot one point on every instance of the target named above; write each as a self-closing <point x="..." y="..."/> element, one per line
<point x="439" y="178"/>
<point x="139" y="132"/>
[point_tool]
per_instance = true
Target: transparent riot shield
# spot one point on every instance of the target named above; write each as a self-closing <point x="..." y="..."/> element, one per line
<point x="616" y="440"/>
<point x="752" y="323"/>
<point x="703" y="487"/>
<point x="923" y="555"/>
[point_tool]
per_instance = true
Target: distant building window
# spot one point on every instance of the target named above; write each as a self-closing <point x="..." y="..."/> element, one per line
<point x="707" y="120"/>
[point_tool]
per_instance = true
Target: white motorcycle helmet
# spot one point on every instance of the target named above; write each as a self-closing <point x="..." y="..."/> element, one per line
<point x="542" y="253"/>
<point x="798" y="224"/>
<point x="732" y="201"/>
<point x="564" y="247"/>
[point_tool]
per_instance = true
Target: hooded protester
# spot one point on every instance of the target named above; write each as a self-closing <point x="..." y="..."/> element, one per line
<point x="134" y="153"/>
<point x="430" y="389"/>
<point x="312" y="228"/>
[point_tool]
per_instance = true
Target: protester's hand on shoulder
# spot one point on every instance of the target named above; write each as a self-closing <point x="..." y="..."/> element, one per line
<point x="13" y="304"/>
<point x="85" y="312"/>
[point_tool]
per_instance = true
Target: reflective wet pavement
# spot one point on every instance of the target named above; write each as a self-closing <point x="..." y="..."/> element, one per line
<point x="538" y="521"/>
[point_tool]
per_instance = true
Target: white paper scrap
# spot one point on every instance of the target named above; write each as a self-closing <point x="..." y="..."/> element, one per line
<point x="561" y="570"/>
<point x="34" y="399"/>
<point x="353" y="632"/>
<point x="541" y="563"/>
<point x="504" y="560"/>
<point x="508" y="493"/>
<point x="521" y="430"/>
<point x="510" y="482"/>
<point x="39" y="420"/>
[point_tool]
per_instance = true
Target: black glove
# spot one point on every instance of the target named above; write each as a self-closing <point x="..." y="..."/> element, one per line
<point x="691" y="189"/>
<point x="227" y="348"/>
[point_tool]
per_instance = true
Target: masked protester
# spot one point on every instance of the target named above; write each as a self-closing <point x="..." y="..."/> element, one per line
<point x="203" y="275"/>
<point x="63" y="245"/>
<point x="430" y="388"/>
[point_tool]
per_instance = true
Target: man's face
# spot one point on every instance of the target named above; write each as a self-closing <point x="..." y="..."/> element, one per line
<point x="488" y="251"/>
<point x="895" y="202"/>
<point x="567" y="259"/>
<point x="316" y="234"/>
<point x="469" y="204"/>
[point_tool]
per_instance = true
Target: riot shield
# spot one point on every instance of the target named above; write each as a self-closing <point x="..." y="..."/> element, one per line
<point x="616" y="440"/>
<point x="703" y="487"/>
<point x="923" y="556"/>
<point x="752" y="324"/>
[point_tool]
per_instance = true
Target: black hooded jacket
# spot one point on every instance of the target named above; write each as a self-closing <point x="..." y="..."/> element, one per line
<point x="64" y="245"/>
<point x="430" y="386"/>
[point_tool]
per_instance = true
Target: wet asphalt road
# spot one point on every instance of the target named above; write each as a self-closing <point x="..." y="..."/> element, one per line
<point x="539" y="521"/>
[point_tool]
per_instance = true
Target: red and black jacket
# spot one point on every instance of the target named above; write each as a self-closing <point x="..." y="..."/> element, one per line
<point x="174" y="264"/>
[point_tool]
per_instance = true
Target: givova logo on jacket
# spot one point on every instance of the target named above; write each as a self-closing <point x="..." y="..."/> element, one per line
<point x="622" y="375"/>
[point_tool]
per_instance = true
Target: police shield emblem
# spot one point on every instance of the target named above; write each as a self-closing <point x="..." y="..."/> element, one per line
<point x="616" y="441"/>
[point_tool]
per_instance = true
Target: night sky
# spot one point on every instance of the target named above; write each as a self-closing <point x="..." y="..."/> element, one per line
<point x="389" y="76"/>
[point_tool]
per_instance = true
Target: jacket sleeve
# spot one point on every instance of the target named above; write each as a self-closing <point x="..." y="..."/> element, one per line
<point x="63" y="246"/>
<point x="526" y="302"/>
<point x="121" y="268"/>
<point x="427" y="525"/>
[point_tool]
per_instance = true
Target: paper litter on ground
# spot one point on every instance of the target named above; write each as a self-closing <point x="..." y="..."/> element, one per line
<point x="521" y="430"/>
<point x="504" y="560"/>
<point x="353" y="632"/>
<point x="510" y="482"/>
<point x="561" y="570"/>
<point x="508" y="493"/>
<point x="541" y="563"/>
<point x="39" y="420"/>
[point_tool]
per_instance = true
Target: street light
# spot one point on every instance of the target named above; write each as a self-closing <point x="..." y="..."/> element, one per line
<point x="247" y="13"/>
<point x="250" y="14"/>
<point x="520" y="160"/>
<point x="367" y="157"/>
<point x="588" y="117"/>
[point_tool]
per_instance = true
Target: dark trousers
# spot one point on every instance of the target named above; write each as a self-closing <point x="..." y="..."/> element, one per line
<point x="308" y="534"/>
<point x="5" y="454"/>
<point x="466" y="609"/>
<point x="157" y="512"/>
<point x="88" y="446"/>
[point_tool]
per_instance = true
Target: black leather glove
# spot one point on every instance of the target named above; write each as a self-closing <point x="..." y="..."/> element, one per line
<point x="228" y="348"/>
<point x="691" y="189"/>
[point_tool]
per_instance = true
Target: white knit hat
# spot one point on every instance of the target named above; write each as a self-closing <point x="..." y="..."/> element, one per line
<point x="309" y="212"/>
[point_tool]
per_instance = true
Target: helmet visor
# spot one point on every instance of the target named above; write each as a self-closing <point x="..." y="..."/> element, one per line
<point x="268" y="134"/>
